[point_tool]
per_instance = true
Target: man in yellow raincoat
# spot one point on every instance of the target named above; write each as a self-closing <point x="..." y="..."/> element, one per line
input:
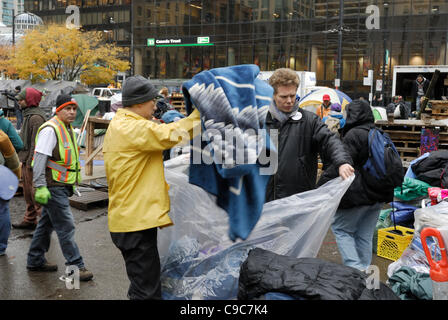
<point x="138" y="193"/>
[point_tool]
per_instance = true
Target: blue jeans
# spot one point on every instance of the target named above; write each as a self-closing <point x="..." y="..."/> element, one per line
<point x="56" y="215"/>
<point x="19" y="117"/>
<point x="353" y="229"/>
<point x="5" y="224"/>
<point x="418" y="103"/>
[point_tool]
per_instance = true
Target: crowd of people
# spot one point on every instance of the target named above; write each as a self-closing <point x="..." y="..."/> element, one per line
<point x="138" y="193"/>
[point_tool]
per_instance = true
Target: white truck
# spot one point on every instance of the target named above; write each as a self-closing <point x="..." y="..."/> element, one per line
<point x="104" y="93"/>
<point x="104" y="96"/>
<point x="307" y="81"/>
<point x="404" y="76"/>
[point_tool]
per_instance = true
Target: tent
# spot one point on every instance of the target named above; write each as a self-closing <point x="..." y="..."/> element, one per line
<point x="85" y="102"/>
<point x="50" y="89"/>
<point x="314" y="99"/>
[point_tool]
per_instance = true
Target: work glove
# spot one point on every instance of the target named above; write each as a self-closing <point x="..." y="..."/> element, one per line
<point x="42" y="195"/>
<point x="76" y="191"/>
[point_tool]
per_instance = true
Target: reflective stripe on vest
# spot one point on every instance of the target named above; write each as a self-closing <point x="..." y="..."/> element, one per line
<point x="66" y="170"/>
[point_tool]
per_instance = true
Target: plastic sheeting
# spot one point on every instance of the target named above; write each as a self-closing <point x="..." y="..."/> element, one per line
<point x="199" y="261"/>
<point x="413" y="256"/>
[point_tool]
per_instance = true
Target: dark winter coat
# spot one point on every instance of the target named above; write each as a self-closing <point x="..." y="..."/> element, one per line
<point x="299" y="143"/>
<point x="304" y="278"/>
<point x="33" y="118"/>
<point x="415" y="87"/>
<point x="8" y="128"/>
<point x="355" y="137"/>
<point x="433" y="169"/>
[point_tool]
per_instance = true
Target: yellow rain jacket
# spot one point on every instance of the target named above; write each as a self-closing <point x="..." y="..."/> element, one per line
<point x="138" y="192"/>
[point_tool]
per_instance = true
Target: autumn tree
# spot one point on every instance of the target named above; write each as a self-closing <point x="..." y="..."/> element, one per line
<point x="5" y="60"/>
<point x="54" y="53"/>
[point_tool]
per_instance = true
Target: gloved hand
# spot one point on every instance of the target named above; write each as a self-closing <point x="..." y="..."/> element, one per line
<point x="76" y="191"/>
<point x="42" y="195"/>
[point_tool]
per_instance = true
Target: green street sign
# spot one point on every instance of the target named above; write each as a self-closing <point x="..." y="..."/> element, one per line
<point x="203" y="40"/>
<point x="179" y="42"/>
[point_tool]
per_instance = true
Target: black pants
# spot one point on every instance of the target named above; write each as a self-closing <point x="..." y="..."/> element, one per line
<point x="139" y="250"/>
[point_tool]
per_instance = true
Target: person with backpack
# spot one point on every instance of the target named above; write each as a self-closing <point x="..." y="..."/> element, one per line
<point x="335" y="119"/>
<point x="355" y="220"/>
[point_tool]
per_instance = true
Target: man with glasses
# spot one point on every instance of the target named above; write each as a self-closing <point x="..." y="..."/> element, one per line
<point x="301" y="136"/>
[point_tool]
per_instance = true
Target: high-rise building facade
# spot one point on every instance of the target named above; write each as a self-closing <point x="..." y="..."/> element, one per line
<point x="334" y="38"/>
<point x="9" y="8"/>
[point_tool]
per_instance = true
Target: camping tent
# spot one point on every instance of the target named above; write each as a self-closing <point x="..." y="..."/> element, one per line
<point x="51" y="89"/>
<point x="85" y="103"/>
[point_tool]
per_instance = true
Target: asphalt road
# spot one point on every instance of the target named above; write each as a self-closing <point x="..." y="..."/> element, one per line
<point x="110" y="281"/>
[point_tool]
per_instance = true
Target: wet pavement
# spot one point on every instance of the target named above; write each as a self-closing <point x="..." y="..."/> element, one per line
<point x="110" y="281"/>
<point x="99" y="254"/>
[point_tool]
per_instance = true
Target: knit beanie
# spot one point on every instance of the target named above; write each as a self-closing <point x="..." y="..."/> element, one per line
<point x="137" y="89"/>
<point x="336" y="107"/>
<point x="64" y="100"/>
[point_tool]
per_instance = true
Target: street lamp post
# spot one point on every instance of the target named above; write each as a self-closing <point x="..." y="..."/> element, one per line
<point x="13" y="27"/>
<point x="341" y="22"/>
<point x="385" y="57"/>
<point x="132" y="38"/>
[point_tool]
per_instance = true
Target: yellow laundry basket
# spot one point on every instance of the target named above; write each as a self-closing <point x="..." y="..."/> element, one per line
<point x="392" y="245"/>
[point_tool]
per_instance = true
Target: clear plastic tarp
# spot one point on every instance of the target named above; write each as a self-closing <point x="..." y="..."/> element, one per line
<point x="199" y="261"/>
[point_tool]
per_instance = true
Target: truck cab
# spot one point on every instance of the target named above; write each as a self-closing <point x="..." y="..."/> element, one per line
<point x="104" y="96"/>
<point x="404" y="76"/>
<point x="104" y="93"/>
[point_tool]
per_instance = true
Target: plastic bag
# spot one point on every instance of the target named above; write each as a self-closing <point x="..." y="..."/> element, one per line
<point x="198" y="259"/>
<point x="413" y="256"/>
<point x="434" y="216"/>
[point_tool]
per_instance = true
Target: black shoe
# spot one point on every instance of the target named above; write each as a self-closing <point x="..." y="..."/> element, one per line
<point x="46" y="267"/>
<point x="24" y="225"/>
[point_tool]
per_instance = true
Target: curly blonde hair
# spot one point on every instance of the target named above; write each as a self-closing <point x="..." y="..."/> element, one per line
<point x="164" y="91"/>
<point x="284" y="77"/>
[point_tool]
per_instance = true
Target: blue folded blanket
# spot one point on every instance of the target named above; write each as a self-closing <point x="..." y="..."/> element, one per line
<point x="402" y="212"/>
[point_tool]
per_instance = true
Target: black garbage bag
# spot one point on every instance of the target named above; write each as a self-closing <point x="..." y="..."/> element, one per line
<point x="304" y="278"/>
<point x="433" y="169"/>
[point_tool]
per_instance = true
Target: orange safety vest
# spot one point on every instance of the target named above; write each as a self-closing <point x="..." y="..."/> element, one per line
<point x="67" y="170"/>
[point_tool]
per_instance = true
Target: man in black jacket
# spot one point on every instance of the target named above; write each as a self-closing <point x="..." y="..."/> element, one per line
<point x="301" y="137"/>
<point x="355" y="220"/>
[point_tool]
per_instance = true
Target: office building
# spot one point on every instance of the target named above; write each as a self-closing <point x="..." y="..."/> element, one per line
<point x="179" y="38"/>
